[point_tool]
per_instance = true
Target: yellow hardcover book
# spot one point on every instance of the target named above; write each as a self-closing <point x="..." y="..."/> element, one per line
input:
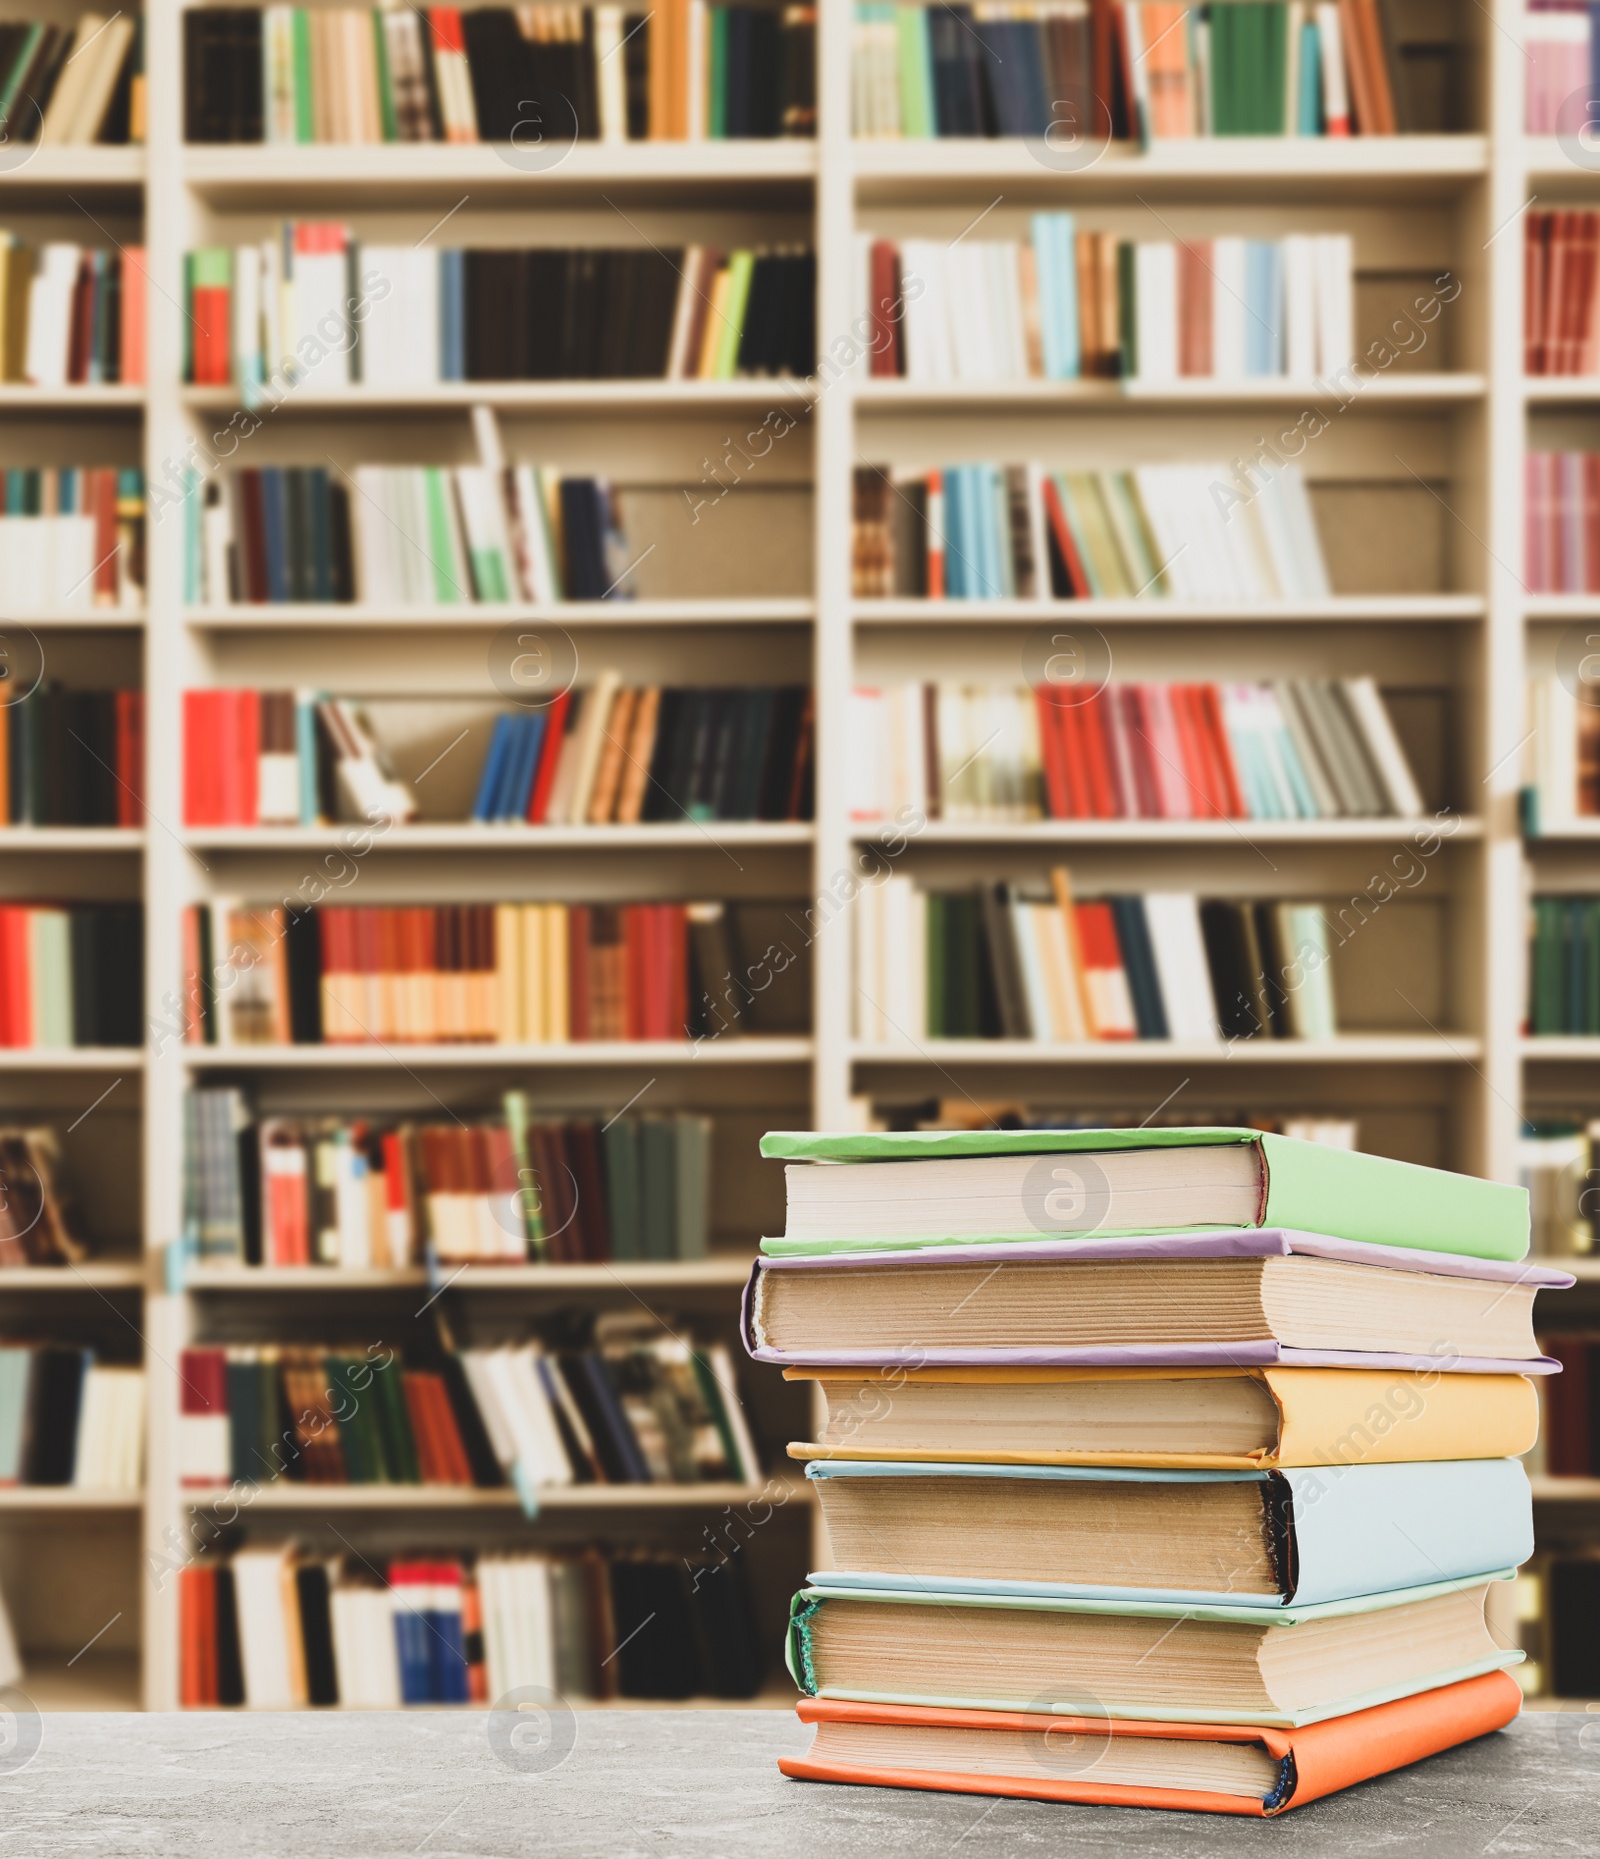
<point x="530" y="931"/>
<point x="1198" y="1418"/>
<point x="508" y="974"/>
<point x="557" y="1020"/>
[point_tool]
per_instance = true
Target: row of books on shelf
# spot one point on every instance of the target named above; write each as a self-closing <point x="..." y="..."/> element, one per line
<point x="537" y="78"/>
<point x="1149" y="70"/>
<point x="71" y="315"/>
<point x="1016" y="961"/>
<point x="991" y="532"/>
<point x="68" y="86"/>
<point x="1561" y="522"/>
<point x="316" y="307"/>
<point x="1564" y="965"/>
<point x="603" y="754"/>
<point x="404" y="535"/>
<point x="491" y="973"/>
<point x="1560" y="330"/>
<point x="633" y="1409"/>
<point x="68" y="1420"/>
<point x="71" y="975"/>
<point x="1572" y="1408"/>
<point x="72" y="758"/>
<point x="71" y="537"/>
<point x="1558" y="44"/>
<point x="1297" y="749"/>
<point x="1070" y="303"/>
<point x="352" y="1194"/>
<point x="273" y="1626"/>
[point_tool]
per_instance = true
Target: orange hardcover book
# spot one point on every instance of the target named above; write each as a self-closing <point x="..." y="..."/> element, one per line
<point x="1204" y="1768"/>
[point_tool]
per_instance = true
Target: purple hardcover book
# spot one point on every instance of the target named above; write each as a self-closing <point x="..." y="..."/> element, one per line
<point x="1238" y="1243"/>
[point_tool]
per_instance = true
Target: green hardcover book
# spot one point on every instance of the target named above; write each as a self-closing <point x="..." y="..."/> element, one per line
<point x="393" y="1420"/>
<point x="658" y="1193"/>
<point x="1127" y="310"/>
<point x="391" y="123"/>
<point x="447" y="590"/>
<point x="1591" y="965"/>
<point x="692" y="1160"/>
<point x="619" y="1147"/>
<point x="1221" y="26"/>
<point x="717" y="78"/>
<point x="1548" y="1014"/>
<point x="741" y="269"/>
<point x="1272" y="28"/>
<point x="515" y="1104"/>
<point x="21" y="65"/>
<point x="936" y="966"/>
<point x="1142" y="1181"/>
<point x="361" y="1465"/>
<point x="916" y="71"/>
<point x="304" y="117"/>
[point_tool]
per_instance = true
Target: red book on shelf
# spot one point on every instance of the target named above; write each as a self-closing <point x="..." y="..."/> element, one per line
<point x="1104" y="794"/>
<point x="555" y="731"/>
<point x="1105" y="979"/>
<point x="100" y="501"/>
<point x="638" y="936"/>
<point x="246" y="753"/>
<point x="935" y="528"/>
<point x="130" y="758"/>
<point x="1569" y="1441"/>
<point x="135" y="315"/>
<point x="1535" y="272"/>
<point x="198" y="1683"/>
<point x="1131" y="742"/>
<point x="1053" y="755"/>
<point x="16" y="1007"/>
<point x="199" y="781"/>
<point x="886" y="309"/>
<point x="1196" y="282"/>
<point x="1077" y="580"/>
<point x="1071" y="727"/>
<point x="1230" y="792"/>
<point x="1199" y="776"/>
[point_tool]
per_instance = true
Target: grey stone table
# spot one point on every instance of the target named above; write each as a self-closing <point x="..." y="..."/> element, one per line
<point x="431" y="1785"/>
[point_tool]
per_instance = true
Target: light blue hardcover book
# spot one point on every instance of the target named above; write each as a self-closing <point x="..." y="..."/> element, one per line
<point x="1264" y="319"/>
<point x="305" y="748"/>
<point x="14" y="1365"/>
<point x="1335" y="1532"/>
<point x="956" y="576"/>
<point x="1309" y="114"/>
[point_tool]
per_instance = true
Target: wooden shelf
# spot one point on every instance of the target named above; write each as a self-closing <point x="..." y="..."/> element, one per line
<point x="488" y="617"/>
<point x="1562" y="389"/>
<point x="1221" y="165"/>
<point x="1547" y="1490"/>
<point x="515" y="839"/>
<point x="59" y="168"/>
<point x="18" y="841"/>
<point x="1562" y="1048"/>
<point x="71" y="1058"/>
<point x="19" y="399"/>
<point x="66" y="1497"/>
<point x="78" y="619"/>
<point x="410" y="173"/>
<point x="1161" y="832"/>
<point x="1351" y="1049"/>
<point x="1575" y="832"/>
<point x="1385" y="390"/>
<point x="1341" y="610"/>
<point x="619" y="397"/>
<point x="579" y="1055"/>
<point x="1561" y="606"/>
<point x="308" y="1497"/>
<point x="93" y="1275"/>
<point x="468" y="1275"/>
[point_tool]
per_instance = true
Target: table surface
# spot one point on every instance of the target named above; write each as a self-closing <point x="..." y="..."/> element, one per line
<point x="430" y="1785"/>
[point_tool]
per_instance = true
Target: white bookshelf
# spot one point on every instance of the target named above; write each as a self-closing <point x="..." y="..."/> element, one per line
<point x="1439" y="1076"/>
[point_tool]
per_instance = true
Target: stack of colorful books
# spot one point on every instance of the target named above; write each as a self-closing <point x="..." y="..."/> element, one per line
<point x="1168" y="1467"/>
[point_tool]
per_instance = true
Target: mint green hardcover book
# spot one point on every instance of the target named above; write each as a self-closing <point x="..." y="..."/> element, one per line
<point x="1125" y="1182"/>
